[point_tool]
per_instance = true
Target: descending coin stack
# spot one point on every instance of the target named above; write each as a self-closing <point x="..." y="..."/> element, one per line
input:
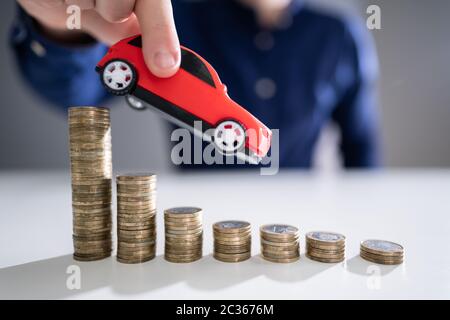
<point x="382" y="252"/>
<point x="280" y="243"/>
<point x="328" y="247"/>
<point x="232" y="241"/>
<point x="136" y="215"/>
<point x="184" y="234"/>
<point x="91" y="170"/>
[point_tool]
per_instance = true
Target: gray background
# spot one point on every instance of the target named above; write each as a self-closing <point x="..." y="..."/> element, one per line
<point x="414" y="51"/>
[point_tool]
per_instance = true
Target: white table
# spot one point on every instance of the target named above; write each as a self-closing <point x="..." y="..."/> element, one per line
<point x="410" y="207"/>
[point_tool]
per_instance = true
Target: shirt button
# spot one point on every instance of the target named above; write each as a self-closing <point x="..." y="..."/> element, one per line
<point x="264" y="41"/>
<point x="38" y="48"/>
<point x="265" y="88"/>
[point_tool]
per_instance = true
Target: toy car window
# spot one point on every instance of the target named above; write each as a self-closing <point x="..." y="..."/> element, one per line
<point x="137" y="42"/>
<point x="192" y="64"/>
<point x="189" y="62"/>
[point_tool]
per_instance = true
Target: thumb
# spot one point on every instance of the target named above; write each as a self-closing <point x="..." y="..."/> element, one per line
<point x="160" y="44"/>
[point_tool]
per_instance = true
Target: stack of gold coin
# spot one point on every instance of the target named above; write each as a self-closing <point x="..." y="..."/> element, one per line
<point x="280" y="243"/>
<point x="323" y="246"/>
<point x="382" y="252"/>
<point x="136" y="215"/>
<point x="232" y="241"/>
<point x="91" y="170"/>
<point x="184" y="234"/>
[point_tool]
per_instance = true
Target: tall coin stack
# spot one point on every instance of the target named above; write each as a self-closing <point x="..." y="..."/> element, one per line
<point x="91" y="171"/>
<point x="328" y="247"/>
<point x="184" y="234"/>
<point x="232" y="241"/>
<point x="382" y="252"/>
<point x="136" y="217"/>
<point x="280" y="243"/>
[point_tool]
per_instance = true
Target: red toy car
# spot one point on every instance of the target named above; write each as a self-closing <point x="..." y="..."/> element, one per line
<point x="194" y="93"/>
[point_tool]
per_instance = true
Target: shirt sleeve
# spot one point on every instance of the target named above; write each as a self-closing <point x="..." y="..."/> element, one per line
<point x="357" y="111"/>
<point x="65" y="76"/>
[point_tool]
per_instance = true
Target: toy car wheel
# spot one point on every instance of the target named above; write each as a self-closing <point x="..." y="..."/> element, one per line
<point x="119" y="77"/>
<point x="229" y="137"/>
<point x="135" y="103"/>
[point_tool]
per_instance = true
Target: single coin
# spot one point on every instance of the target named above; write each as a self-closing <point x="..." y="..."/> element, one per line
<point x="326" y="260"/>
<point x="279" y="244"/>
<point x="232" y="259"/>
<point x="382" y="247"/>
<point x="288" y="260"/>
<point x="91" y="258"/>
<point x="231" y="226"/>
<point x="135" y="260"/>
<point x="380" y="257"/>
<point x="325" y="238"/>
<point x="182" y="212"/>
<point x="279" y="230"/>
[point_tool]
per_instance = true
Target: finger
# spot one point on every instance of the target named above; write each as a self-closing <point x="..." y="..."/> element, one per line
<point x="43" y="4"/>
<point x="115" y="10"/>
<point x="50" y="4"/>
<point x="161" y="47"/>
<point x="107" y="32"/>
<point x="83" y="4"/>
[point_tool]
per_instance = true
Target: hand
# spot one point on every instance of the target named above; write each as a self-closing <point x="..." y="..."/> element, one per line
<point x="111" y="20"/>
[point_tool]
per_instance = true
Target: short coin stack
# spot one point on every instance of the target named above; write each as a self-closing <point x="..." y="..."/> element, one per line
<point x="232" y="241"/>
<point x="91" y="170"/>
<point x="323" y="246"/>
<point x="184" y="234"/>
<point x="382" y="252"/>
<point x="136" y="215"/>
<point x="280" y="243"/>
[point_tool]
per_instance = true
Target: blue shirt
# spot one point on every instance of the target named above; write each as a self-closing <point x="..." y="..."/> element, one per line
<point x="296" y="77"/>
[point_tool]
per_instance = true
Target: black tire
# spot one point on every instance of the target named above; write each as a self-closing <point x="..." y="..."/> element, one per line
<point x="129" y="88"/>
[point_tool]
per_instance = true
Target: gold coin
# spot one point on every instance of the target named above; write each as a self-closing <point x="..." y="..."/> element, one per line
<point x="91" y="258"/>
<point x="145" y="211"/>
<point x="325" y="247"/>
<point x="236" y="255"/>
<point x="182" y="221"/>
<point x="195" y="232"/>
<point x="324" y="238"/>
<point x="279" y="244"/>
<point x="238" y="247"/>
<point x="231" y="251"/>
<point x="137" y="177"/>
<point x="381" y="261"/>
<point x="182" y="212"/>
<point x="280" y="254"/>
<point x="135" y="260"/>
<point x="382" y="247"/>
<point x="232" y="259"/>
<point x="326" y="260"/>
<point x="330" y="252"/>
<point x="187" y="260"/>
<point x="137" y="257"/>
<point x="232" y="226"/>
<point x="184" y="243"/>
<point x="230" y="236"/>
<point x="279" y="231"/>
<point x="380" y="257"/>
<point x="282" y="260"/>
<point x="280" y="248"/>
<point x="326" y="256"/>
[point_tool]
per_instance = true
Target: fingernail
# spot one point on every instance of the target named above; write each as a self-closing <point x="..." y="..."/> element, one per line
<point x="164" y="60"/>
